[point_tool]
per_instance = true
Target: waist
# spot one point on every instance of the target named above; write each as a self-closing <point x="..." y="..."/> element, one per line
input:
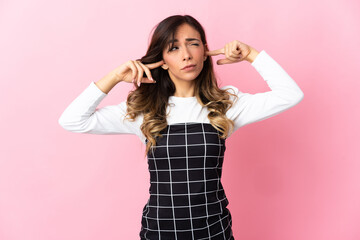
<point x="185" y="206"/>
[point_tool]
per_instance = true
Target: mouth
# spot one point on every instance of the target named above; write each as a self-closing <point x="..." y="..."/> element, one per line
<point x="189" y="67"/>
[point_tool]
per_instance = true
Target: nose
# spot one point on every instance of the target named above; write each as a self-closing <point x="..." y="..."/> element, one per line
<point x="186" y="54"/>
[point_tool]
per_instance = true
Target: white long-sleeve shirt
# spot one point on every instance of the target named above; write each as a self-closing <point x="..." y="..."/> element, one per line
<point x="83" y="116"/>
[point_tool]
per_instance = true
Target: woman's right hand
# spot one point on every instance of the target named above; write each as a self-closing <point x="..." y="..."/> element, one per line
<point x="132" y="71"/>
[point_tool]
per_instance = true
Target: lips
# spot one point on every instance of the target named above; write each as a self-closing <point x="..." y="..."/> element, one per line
<point x="188" y="66"/>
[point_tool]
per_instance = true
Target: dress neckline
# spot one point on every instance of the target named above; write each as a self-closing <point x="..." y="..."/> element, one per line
<point x="174" y="98"/>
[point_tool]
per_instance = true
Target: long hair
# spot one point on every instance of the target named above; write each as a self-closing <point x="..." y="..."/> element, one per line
<point x="151" y="100"/>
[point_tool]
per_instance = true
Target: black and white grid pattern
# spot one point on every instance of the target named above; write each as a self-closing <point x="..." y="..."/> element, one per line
<point x="187" y="200"/>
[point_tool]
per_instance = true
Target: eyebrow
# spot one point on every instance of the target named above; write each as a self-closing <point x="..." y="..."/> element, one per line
<point x="186" y="39"/>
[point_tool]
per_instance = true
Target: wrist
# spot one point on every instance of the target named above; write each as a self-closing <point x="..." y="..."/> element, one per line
<point x="252" y="55"/>
<point x="114" y="77"/>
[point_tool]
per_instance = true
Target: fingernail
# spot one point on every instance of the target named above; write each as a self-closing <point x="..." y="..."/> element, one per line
<point x="154" y="81"/>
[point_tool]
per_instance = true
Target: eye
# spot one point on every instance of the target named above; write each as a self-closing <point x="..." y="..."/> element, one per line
<point x="196" y="44"/>
<point x="172" y="49"/>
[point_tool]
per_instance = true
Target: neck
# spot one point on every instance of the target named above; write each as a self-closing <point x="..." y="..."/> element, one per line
<point x="184" y="88"/>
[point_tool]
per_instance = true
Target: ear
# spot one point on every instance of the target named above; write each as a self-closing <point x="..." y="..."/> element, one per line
<point x="205" y="50"/>
<point x="165" y="66"/>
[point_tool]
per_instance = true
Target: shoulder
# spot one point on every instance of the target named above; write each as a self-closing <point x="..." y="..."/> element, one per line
<point x="232" y="90"/>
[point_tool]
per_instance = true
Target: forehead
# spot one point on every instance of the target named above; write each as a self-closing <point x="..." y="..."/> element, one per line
<point x="186" y="31"/>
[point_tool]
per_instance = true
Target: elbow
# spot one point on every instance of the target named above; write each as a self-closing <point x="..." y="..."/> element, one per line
<point x="63" y="123"/>
<point x="73" y="125"/>
<point x="299" y="96"/>
<point x="69" y="125"/>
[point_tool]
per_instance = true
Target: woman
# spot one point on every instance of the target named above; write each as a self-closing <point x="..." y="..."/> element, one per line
<point x="184" y="118"/>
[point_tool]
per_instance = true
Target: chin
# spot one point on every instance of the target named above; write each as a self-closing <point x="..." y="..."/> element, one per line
<point x="190" y="78"/>
<point x="187" y="76"/>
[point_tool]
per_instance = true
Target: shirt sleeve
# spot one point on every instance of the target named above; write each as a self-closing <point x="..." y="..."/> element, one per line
<point x="83" y="116"/>
<point x="249" y="108"/>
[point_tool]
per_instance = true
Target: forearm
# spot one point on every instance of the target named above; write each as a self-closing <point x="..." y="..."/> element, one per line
<point x="108" y="82"/>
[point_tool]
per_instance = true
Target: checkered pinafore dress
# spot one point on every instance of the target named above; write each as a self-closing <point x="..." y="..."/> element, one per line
<point x="187" y="200"/>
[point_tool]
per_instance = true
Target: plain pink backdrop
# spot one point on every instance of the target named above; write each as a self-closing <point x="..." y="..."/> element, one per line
<point x="294" y="176"/>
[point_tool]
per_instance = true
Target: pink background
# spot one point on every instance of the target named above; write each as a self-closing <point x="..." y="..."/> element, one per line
<point x="293" y="176"/>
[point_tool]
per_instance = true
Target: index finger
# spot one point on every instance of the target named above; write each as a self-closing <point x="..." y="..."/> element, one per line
<point x="154" y="65"/>
<point x="215" y="52"/>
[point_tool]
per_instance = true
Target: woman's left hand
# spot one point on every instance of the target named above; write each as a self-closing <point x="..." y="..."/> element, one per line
<point x="234" y="51"/>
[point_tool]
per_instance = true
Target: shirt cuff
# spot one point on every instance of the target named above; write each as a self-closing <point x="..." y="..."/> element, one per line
<point x="96" y="90"/>
<point x="262" y="54"/>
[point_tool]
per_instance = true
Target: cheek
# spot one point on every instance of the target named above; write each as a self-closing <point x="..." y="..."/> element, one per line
<point x="200" y="52"/>
<point x="200" y="56"/>
<point x="170" y="61"/>
<point x="166" y="58"/>
<point x="201" y="67"/>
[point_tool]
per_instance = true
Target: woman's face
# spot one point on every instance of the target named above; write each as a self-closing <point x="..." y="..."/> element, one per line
<point x="188" y="49"/>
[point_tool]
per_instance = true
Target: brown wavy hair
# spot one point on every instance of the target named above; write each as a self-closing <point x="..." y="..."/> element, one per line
<point x="151" y="100"/>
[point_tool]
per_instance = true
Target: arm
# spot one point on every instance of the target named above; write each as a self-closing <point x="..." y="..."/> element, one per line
<point x="108" y="82"/>
<point x="82" y="114"/>
<point x="284" y="94"/>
